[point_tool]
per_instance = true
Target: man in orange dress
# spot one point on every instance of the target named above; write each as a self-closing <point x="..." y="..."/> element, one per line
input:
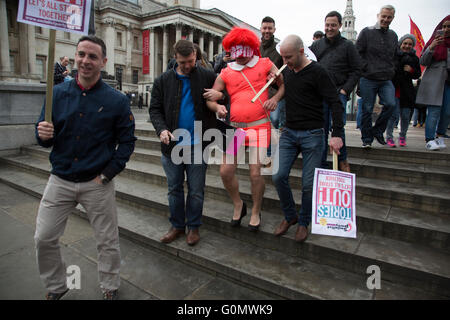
<point x="243" y="79"/>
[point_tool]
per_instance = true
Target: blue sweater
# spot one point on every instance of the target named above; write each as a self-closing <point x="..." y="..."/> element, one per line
<point x="94" y="132"/>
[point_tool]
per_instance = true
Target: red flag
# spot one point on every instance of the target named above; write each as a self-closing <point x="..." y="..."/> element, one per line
<point x="146" y="51"/>
<point x="420" y="43"/>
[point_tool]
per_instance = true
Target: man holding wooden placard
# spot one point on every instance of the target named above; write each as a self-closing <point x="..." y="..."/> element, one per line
<point x="92" y="135"/>
<point x="307" y="85"/>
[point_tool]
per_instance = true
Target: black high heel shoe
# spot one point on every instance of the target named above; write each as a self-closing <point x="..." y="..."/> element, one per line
<point x="253" y="228"/>
<point x="237" y="223"/>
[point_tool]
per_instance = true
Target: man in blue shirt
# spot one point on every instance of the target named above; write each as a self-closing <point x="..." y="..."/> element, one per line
<point x="92" y="135"/>
<point x="178" y="103"/>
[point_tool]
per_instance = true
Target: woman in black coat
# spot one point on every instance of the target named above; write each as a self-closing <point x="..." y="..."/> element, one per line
<point x="408" y="68"/>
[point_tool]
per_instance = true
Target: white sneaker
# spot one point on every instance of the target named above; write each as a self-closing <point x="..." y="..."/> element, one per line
<point x="432" y="145"/>
<point x="440" y="142"/>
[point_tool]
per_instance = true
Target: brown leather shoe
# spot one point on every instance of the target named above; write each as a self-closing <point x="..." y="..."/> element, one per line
<point x="172" y="235"/>
<point x="284" y="226"/>
<point x="193" y="237"/>
<point x="301" y="234"/>
<point x="344" y="166"/>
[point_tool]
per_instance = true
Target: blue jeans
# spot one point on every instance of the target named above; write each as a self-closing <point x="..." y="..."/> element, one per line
<point x="438" y="117"/>
<point x="278" y="117"/>
<point x="191" y="213"/>
<point x="403" y="114"/>
<point x="327" y="129"/>
<point x="310" y="144"/>
<point x="369" y="90"/>
<point x="359" y="113"/>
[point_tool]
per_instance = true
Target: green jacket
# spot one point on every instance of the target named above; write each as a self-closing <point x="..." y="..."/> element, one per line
<point x="268" y="49"/>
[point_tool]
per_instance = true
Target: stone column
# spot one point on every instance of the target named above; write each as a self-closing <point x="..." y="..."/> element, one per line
<point x="191" y="35"/>
<point x="211" y="48"/>
<point x="129" y="44"/>
<point x="32" y="50"/>
<point x="179" y="33"/>
<point x="152" y="54"/>
<point x="4" y="40"/>
<point x="165" y="47"/>
<point x="201" y="41"/>
<point x="23" y="50"/>
<point x="110" y="41"/>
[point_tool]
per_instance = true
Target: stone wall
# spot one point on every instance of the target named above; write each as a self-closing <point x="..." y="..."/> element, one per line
<point x="20" y="107"/>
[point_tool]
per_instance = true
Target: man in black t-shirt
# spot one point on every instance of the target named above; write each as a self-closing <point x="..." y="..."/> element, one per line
<point x="307" y="85"/>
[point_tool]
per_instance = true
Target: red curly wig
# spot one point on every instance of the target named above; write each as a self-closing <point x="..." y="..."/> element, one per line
<point x="241" y="36"/>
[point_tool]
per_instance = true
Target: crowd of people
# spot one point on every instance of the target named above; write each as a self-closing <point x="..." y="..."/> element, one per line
<point x="92" y="126"/>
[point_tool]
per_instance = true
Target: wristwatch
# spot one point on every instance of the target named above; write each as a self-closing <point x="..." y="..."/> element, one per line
<point x="104" y="179"/>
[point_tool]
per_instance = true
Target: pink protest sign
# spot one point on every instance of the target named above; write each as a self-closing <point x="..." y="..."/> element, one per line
<point x="66" y="15"/>
<point x="333" y="204"/>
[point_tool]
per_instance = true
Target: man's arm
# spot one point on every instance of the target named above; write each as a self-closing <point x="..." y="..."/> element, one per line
<point x="44" y="131"/>
<point x="355" y="65"/>
<point x="214" y="106"/>
<point x="272" y="103"/>
<point x="156" y="109"/>
<point x="328" y="90"/>
<point x="361" y="48"/>
<point x="124" y="133"/>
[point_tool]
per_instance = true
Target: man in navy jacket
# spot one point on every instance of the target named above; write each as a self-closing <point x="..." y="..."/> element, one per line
<point x="92" y="135"/>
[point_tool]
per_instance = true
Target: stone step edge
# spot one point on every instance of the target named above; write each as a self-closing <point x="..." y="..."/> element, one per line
<point x="363" y="187"/>
<point x="394" y="269"/>
<point x="383" y="222"/>
<point x="424" y="154"/>
<point x="254" y="282"/>
<point x="243" y="170"/>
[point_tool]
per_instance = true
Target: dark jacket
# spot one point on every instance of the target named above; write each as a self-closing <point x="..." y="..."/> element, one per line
<point x="94" y="132"/>
<point x="403" y="80"/>
<point x="166" y="101"/>
<point x="268" y="49"/>
<point x="377" y="48"/>
<point x="219" y="64"/>
<point x="58" y="76"/>
<point x="342" y="61"/>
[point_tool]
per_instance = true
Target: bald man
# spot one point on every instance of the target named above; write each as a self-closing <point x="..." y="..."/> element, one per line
<point x="307" y="85"/>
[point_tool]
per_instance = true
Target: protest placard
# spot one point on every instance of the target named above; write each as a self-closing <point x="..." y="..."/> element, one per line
<point x="333" y="205"/>
<point x="65" y="15"/>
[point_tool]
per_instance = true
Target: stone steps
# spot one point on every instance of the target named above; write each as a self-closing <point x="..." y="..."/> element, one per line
<point x="396" y="194"/>
<point x="147" y="139"/>
<point x="272" y="270"/>
<point x="411" y="263"/>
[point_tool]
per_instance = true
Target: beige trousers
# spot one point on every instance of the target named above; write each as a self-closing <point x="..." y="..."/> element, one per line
<point x="59" y="200"/>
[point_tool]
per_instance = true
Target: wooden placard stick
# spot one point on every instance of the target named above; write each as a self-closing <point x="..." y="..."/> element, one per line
<point x="268" y="84"/>
<point x="335" y="161"/>
<point x="50" y="76"/>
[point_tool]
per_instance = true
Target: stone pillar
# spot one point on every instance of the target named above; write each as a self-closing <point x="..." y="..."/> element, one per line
<point x="152" y="55"/>
<point x="31" y="50"/>
<point x="201" y="41"/>
<point x="129" y="44"/>
<point x="4" y="39"/>
<point x="110" y="42"/>
<point x="179" y="33"/>
<point x="165" y="47"/>
<point x="23" y="50"/>
<point x="220" y="46"/>
<point x="211" y="48"/>
<point x="191" y="35"/>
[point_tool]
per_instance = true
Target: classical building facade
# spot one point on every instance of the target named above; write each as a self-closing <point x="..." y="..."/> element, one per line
<point x="121" y="24"/>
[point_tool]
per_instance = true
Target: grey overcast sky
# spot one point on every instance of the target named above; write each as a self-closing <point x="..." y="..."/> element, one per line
<point x="305" y="17"/>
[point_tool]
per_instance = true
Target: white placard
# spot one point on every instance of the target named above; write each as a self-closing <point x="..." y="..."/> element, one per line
<point x="333" y="204"/>
<point x="65" y="15"/>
